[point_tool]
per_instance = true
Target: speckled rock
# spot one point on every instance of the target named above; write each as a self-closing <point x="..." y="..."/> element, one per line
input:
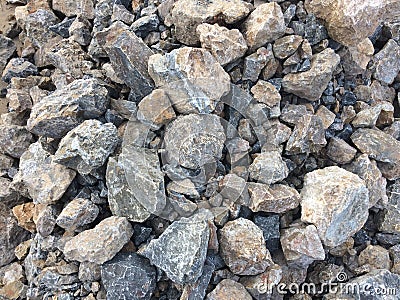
<point x="7" y="49"/>
<point x="181" y="249"/>
<point x="128" y="276"/>
<point x="72" y="8"/>
<point x="24" y="214"/>
<point x="376" y="257"/>
<point x="65" y="108"/>
<point x="268" y="167"/>
<point x="37" y="26"/>
<point x="266" y="93"/>
<point x="286" y="46"/>
<point x="77" y="213"/>
<point x="339" y="151"/>
<point x="18" y="67"/>
<point x="242" y="247"/>
<point x="336" y="202"/>
<point x="14" y="139"/>
<point x="228" y="289"/>
<point x="265" y="24"/>
<point x="256" y="62"/>
<point x="312" y="83"/>
<point x="387" y="62"/>
<point x="87" y="146"/>
<point x="226" y="45"/>
<point x="101" y="243"/>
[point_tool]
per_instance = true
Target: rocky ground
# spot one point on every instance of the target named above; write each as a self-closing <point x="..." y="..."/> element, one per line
<point x="196" y="149"/>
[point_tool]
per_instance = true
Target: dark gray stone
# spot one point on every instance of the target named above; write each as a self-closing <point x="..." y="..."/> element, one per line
<point x="18" y="67"/>
<point x="270" y="228"/>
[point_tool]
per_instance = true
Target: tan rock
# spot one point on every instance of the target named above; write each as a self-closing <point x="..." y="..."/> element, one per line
<point x="268" y="167"/>
<point x="228" y="289"/>
<point x="376" y="257"/>
<point x="24" y="215"/>
<point x="77" y="213"/>
<point x="75" y="7"/>
<point x="326" y="116"/>
<point x="356" y="58"/>
<point x="266" y="93"/>
<point x="339" y="151"/>
<point x="287" y="45"/>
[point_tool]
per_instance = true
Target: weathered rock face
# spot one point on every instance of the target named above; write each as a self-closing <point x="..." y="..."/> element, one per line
<point x="242" y="247"/>
<point x="386" y="62"/>
<point x="381" y="147"/>
<point x="265" y="24"/>
<point x="128" y="274"/>
<point x="87" y="146"/>
<point x="37" y="27"/>
<point x="336" y="202"/>
<point x="229" y="289"/>
<point x="24" y="214"/>
<point x="77" y="213"/>
<point x="65" y="108"/>
<point x="14" y="140"/>
<point x="192" y="78"/>
<point x="54" y="178"/>
<point x="376" y="257"/>
<point x="101" y="243"/>
<point x="226" y="45"/>
<point x="339" y="151"/>
<point x="7" y="49"/>
<point x="268" y="167"/>
<point x="266" y="93"/>
<point x="256" y="62"/>
<point x="181" y="249"/>
<point x="186" y="15"/>
<point x="286" y="46"/>
<point x="18" y="67"/>
<point x="75" y="8"/>
<point x="389" y="218"/>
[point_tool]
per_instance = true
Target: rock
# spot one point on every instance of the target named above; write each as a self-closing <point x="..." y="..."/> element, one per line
<point x="120" y="195"/>
<point x="268" y="167"/>
<point x="326" y="116"/>
<point x="369" y="172"/>
<point x="242" y="247"/>
<point x="67" y="107"/>
<point x="270" y="228"/>
<point x="381" y="147"/>
<point x="276" y="198"/>
<point x="128" y="275"/>
<point x="186" y="15"/>
<point x="266" y="93"/>
<point x="87" y="146"/>
<point x="77" y="213"/>
<point x="44" y="218"/>
<point x="144" y="25"/>
<point x="389" y="218"/>
<point x="37" y="27"/>
<point x="395" y="256"/>
<point x="339" y="151"/>
<point x="80" y="30"/>
<point x="376" y="257"/>
<point x="89" y="271"/>
<point x="229" y="289"/>
<point x="14" y="140"/>
<point x="192" y="78"/>
<point x="336" y="202"/>
<point x="11" y="235"/>
<point x="292" y="114"/>
<point x="355" y="58"/>
<point x="18" y="67"/>
<point x="121" y="13"/>
<point x="367" y="117"/>
<point x="45" y="180"/>
<point x="75" y="8"/>
<point x="277" y="135"/>
<point x="233" y="187"/>
<point x="262" y="286"/>
<point x="24" y="215"/>
<point x="286" y="46"/>
<point x="265" y="24"/>
<point x="62" y="27"/>
<point x="198" y="289"/>
<point x="101" y="243"/>
<point x="7" y="49"/>
<point x="386" y="62"/>
<point x="156" y="109"/>
<point x="255" y="63"/>
<point x="18" y="100"/>
<point x="226" y="45"/>
<point x="8" y="195"/>
<point x="301" y="245"/>
<point x="181" y="249"/>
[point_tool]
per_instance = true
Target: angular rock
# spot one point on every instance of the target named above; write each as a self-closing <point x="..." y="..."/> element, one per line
<point x="14" y="140"/>
<point x="198" y="290"/>
<point x="286" y="46"/>
<point x="77" y="213"/>
<point x="268" y="167"/>
<point x="255" y="63"/>
<point x="312" y="83"/>
<point x="389" y="218"/>
<point x="8" y="195"/>
<point x="44" y="218"/>
<point x="101" y="243"/>
<point x="72" y="8"/>
<point x="45" y="180"/>
<point x="301" y="245"/>
<point x="339" y="151"/>
<point x="80" y="31"/>
<point x="37" y="27"/>
<point x="277" y="198"/>
<point x="395" y="256"/>
<point x="65" y="108"/>
<point x="186" y="15"/>
<point x="387" y="62"/>
<point x="265" y="24"/>
<point x="144" y="25"/>
<point x="229" y="289"/>
<point x="226" y="45"/>
<point x="7" y="49"/>
<point x="232" y="187"/>
<point x="87" y="146"/>
<point x="242" y="247"/>
<point x="355" y="58"/>
<point x="270" y="228"/>
<point x="192" y="78"/>
<point x="336" y="202"/>
<point x="24" y="215"/>
<point x="266" y="93"/>
<point x="18" y="67"/>
<point x="128" y="276"/>
<point x="326" y="116"/>
<point x="181" y="249"/>
<point x="376" y="257"/>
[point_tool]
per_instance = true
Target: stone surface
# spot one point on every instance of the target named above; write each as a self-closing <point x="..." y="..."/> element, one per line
<point x="276" y="198"/>
<point x="226" y="45"/>
<point x="355" y="58"/>
<point x="326" y="116"/>
<point x="37" y="26"/>
<point x="192" y="78"/>
<point x="286" y="46"/>
<point x="256" y="62"/>
<point x="54" y="178"/>
<point x="67" y="107"/>
<point x="181" y="249"/>
<point x="24" y="215"/>
<point x="87" y="146"/>
<point x="266" y="93"/>
<point x="14" y="139"/>
<point x="389" y="218"/>
<point x="386" y="62"/>
<point x="128" y="276"/>
<point x="229" y="289"/>
<point x="311" y="84"/>
<point x="80" y="30"/>
<point x="75" y="8"/>
<point x="18" y="67"/>
<point x="336" y="202"/>
<point x="339" y="151"/>
<point x="265" y="24"/>
<point x="242" y="247"/>
<point x="77" y="213"/>
<point x="7" y="49"/>
<point x="101" y="243"/>
<point x="270" y="228"/>
<point x="268" y="167"/>
<point x="376" y="257"/>
<point x="301" y="245"/>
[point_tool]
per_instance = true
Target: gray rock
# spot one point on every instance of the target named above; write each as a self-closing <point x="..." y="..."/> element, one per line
<point x="270" y="228"/>
<point x="80" y="30"/>
<point x="77" y="213"/>
<point x="389" y="218"/>
<point x="144" y="25"/>
<point x="336" y="202"/>
<point x="14" y="140"/>
<point x="268" y="167"/>
<point x="386" y="62"/>
<point x="8" y="195"/>
<point x="75" y="8"/>
<point x="242" y="247"/>
<point x="89" y="271"/>
<point x="121" y="13"/>
<point x="339" y="151"/>
<point x="128" y="276"/>
<point x="181" y="249"/>
<point x="199" y="288"/>
<point x="101" y="243"/>
<point x="229" y="289"/>
<point x="18" y="67"/>
<point x="7" y="49"/>
<point x="254" y="63"/>
<point x="45" y="219"/>
<point x="65" y="108"/>
<point x="292" y="113"/>
<point x="87" y="146"/>
<point x="37" y="27"/>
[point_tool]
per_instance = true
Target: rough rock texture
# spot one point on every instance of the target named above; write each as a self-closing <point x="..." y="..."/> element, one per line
<point x="286" y="46"/>
<point x="376" y="257"/>
<point x="265" y="24"/>
<point x="311" y="84"/>
<point x="87" y="146"/>
<point x="54" y="178"/>
<point x="14" y="140"/>
<point x="268" y="167"/>
<point x="77" y="213"/>
<point x="192" y="78"/>
<point x="226" y="45"/>
<point x="128" y="276"/>
<point x="7" y="49"/>
<point x="74" y="8"/>
<point x="65" y="108"/>
<point x="229" y="289"/>
<point x="242" y="247"/>
<point x="24" y="214"/>
<point x="266" y="93"/>
<point x="181" y="249"/>
<point x="336" y="202"/>
<point x="387" y="62"/>
<point x="101" y="243"/>
<point x="341" y="152"/>
<point x="18" y="67"/>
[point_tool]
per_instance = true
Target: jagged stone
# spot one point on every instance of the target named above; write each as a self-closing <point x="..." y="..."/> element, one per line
<point x="229" y="289"/>
<point x="18" y="67"/>
<point x="77" y="213"/>
<point x="268" y="167"/>
<point x="386" y="62"/>
<point x="339" y="151"/>
<point x="14" y="140"/>
<point x="72" y="8"/>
